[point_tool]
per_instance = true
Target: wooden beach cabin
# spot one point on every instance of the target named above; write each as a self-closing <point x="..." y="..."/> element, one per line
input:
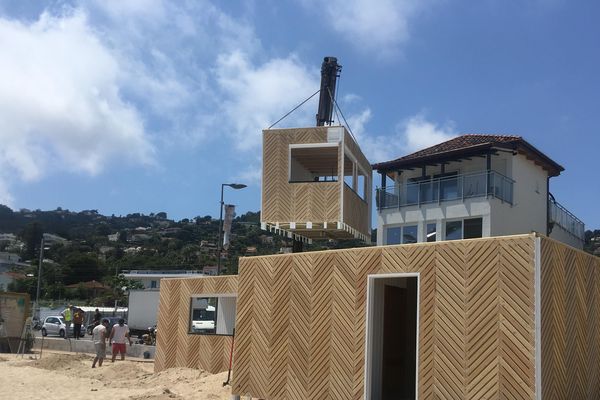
<point x="515" y="317"/>
<point x="316" y="184"/>
<point x="181" y="343"/>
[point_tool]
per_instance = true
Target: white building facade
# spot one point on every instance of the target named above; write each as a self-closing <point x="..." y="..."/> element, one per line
<point x="468" y="187"/>
<point x="151" y="278"/>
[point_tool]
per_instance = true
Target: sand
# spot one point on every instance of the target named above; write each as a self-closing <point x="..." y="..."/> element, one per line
<point x="70" y="376"/>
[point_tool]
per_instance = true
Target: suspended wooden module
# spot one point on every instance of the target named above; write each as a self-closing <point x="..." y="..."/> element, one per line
<point x="316" y="184"/>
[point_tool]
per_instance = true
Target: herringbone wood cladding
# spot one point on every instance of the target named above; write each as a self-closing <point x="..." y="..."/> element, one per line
<point x="570" y="281"/>
<point x="301" y="320"/>
<point x="175" y="347"/>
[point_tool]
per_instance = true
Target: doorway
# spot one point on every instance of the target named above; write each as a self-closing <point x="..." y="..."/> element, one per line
<point x="392" y="337"/>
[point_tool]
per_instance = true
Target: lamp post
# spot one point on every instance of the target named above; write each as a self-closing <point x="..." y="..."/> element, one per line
<point x="220" y="243"/>
<point x="36" y="311"/>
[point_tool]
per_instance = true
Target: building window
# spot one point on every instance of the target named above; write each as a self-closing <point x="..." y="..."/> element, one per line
<point x="453" y="230"/>
<point x="473" y="228"/>
<point x="464" y="229"/>
<point x="431" y="232"/>
<point x="393" y="235"/>
<point x="212" y="315"/>
<point x="401" y="234"/>
<point x="314" y="164"/>
<point x="409" y="234"/>
<point x="152" y="284"/>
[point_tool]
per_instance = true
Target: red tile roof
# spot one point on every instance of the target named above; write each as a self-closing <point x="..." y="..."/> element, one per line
<point x="469" y="145"/>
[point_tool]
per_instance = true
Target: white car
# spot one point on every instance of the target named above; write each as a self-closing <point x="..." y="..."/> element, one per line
<point x="55" y="325"/>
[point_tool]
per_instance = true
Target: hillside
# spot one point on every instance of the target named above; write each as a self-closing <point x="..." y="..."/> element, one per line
<point x="99" y="247"/>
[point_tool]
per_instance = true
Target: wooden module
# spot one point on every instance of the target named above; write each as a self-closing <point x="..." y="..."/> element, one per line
<point x="301" y="322"/>
<point x="175" y="346"/>
<point x="570" y="321"/>
<point x="304" y="191"/>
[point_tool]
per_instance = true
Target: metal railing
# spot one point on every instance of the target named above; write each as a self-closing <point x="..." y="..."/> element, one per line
<point x="562" y="217"/>
<point x="160" y="271"/>
<point x="448" y="188"/>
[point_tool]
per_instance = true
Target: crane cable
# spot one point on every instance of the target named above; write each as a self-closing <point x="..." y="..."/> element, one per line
<point x="294" y="109"/>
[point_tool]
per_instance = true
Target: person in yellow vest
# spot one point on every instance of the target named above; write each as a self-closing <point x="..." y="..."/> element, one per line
<point x="68" y="317"/>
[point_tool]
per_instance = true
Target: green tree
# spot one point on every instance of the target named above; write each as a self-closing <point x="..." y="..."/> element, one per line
<point x="82" y="267"/>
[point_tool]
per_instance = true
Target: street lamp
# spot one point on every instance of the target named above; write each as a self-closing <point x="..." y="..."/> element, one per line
<point x="39" y="281"/>
<point x="220" y="243"/>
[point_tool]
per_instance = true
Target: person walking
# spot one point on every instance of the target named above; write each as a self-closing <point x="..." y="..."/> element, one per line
<point x="67" y="315"/>
<point x="99" y="338"/>
<point x="77" y="321"/>
<point x="118" y="334"/>
<point x="97" y="318"/>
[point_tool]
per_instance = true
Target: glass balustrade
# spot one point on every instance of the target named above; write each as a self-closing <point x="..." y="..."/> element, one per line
<point x="455" y="187"/>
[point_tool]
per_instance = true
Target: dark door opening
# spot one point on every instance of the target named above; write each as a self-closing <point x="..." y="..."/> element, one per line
<point x="394" y="338"/>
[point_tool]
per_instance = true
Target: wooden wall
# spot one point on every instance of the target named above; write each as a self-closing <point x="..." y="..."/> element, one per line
<point x="175" y="347"/>
<point x="301" y="320"/>
<point x="570" y="302"/>
<point x="355" y="211"/>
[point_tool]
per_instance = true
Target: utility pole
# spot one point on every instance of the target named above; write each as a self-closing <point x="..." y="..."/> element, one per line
<point x="36" y="311"/>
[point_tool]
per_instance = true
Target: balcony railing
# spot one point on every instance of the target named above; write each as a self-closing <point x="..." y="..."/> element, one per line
<point x="560" y="216"/>
<point x="448" y="188"/>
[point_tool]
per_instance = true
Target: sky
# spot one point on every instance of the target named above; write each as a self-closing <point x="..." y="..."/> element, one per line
<point x="150" y="105"/>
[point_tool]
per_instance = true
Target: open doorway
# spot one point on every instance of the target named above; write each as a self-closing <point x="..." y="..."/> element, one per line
<point x="392" y="337"/>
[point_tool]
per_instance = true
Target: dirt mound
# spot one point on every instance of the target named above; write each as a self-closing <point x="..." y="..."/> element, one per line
<point x="178" y="375"/>
<point x="165" y="395"/>
<point x="61" y="362"/>
<point x="119" y="374"/>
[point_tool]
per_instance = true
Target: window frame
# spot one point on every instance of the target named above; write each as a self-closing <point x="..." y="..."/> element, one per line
<point x="291" y="147"/>
<point x="462" y="228"/>
<point x="216" y="311"/>
<point x="401" y="227"/>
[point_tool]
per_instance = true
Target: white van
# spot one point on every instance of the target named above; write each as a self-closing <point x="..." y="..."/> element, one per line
<point x="203" y="320"/>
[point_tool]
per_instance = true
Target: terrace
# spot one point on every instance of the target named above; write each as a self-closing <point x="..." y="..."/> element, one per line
<point x="488" y="183"/>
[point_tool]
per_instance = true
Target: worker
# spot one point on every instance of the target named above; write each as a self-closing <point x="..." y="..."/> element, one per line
<point x="78" y="315"/>
<point x="67" y="315"/>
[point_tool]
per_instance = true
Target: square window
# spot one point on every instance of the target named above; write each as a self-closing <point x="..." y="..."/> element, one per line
<point x="453" y="230"/>
<point x="212" y="315"/>
<point x="473" y="228"/>
<point x="313" y="164"/>
<point x="409" y="234"/>
<point x="393" y="235"/>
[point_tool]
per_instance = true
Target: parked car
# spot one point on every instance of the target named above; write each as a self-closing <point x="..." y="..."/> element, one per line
<point x="55" y="325"/>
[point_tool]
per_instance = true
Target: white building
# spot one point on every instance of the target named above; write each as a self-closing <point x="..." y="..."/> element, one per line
<point x="151" y="278"/>
<point x="472" y="186"/>
<point x="51" y="239"/>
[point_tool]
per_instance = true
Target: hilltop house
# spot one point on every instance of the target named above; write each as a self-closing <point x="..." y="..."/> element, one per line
<point x="469" y="187"/>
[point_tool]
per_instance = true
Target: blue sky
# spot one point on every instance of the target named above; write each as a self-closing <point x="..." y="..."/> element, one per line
<point x="148" y="106"/>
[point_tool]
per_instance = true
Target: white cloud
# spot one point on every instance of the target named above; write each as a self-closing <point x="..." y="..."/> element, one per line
<point x="251" y="176"/>
<point x="412" y="134"/>
<point x="255" y="96"/>
<point x="375" y="26"/>
<point x="60" y="101"/>
<point x="5" y="197"/>
<point x="418" y="133"/>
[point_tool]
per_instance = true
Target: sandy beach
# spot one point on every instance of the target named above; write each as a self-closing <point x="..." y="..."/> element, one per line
<point x="70" y="376"/>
